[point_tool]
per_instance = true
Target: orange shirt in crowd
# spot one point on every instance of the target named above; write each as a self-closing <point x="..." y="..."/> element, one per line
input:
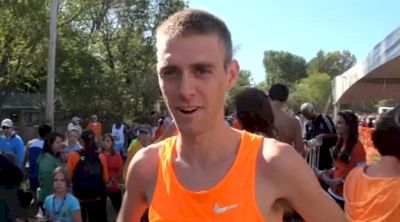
<point x="172" y="202"/>
<point x="74" y="158"/>
<point x="372" y="153"/>
<point x="114" y="166"/>
<point x="370" y="198"/>
<point x="342" y="169"/>
<point x="97" y="129"/>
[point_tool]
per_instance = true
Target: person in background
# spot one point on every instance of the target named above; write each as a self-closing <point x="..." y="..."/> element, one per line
<point x="72" y="140"/>
<point x="144" y="139"/>
<point x="347" y="154"/>
<point x="118" y="132"/>
<point x="61" y="205"/>
<point x="33" y="150"/>
<point x="372" y="192"/>
<point x="96" y="126"/>
<point x="11" y="177"/>
<point x="288" y="127"/>
<point x="89" y="173"/>
<point x="75" y="124"/>
<point x="11" y="142"/>
<point x="63" y="154"/>
<point x="114" y="166"/>
<point x="254" y="112"/>
<point x="321" y="128"/>
<point x="47" y="162"/>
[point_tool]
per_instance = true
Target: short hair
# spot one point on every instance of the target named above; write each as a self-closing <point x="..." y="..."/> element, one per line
<point x="386" y="136"/>
<point x="65" y="173"/>
<point x="279" y="92"/>
<point x="189" y="22"/>
<point x="254" y="111"/>
<point x="306" y="107"/>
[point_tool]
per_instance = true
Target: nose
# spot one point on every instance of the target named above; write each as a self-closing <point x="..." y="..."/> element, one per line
<point x="186" y="86"/>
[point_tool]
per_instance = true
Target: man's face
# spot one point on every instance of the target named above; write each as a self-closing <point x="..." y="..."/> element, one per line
<point x="7" y="130"/>
<point x="193" y="80"/>
<point x="308" y="114"/>
<point x="144" y="137"/>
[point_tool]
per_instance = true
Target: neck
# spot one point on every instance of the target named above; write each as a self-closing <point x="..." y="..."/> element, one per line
<point x="389" y="166"/>
<point x="107" y="151"/>
<point x="60" y="195"/>
<point x="277" y="105"/>
<point x="208" y="146"/>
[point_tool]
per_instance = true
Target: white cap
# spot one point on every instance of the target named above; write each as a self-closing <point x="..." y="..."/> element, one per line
<point x="7" y="123"/>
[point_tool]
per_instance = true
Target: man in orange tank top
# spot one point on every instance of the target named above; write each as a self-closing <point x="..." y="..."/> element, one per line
<point x="209" y="171"/>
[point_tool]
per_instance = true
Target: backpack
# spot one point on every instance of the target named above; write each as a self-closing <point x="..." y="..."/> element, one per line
<point x="87" y="179"/>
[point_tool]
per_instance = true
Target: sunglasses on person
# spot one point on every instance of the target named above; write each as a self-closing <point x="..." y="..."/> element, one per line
<point x="5" y="127"/>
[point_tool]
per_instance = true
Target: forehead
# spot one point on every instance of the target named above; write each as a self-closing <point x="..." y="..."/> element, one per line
<point x="59" y="175"/>
<point x="189" y="49"/>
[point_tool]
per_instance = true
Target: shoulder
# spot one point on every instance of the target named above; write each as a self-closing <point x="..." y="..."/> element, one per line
<point x="146" y="159"/>
<point x="48" y="200"/>
<point x="72" y="199"/>
<point x="17" y="138"/>
<point x="279" y="160"/>
<point x="142" y="170"/>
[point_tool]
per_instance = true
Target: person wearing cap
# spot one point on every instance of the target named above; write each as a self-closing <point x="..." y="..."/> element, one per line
<point x="12" y="143"/>
<point x="75" y="124"/>
<point x="144" y="138"/>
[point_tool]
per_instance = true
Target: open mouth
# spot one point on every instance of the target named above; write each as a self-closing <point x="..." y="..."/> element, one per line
<point x="188" y="110"/>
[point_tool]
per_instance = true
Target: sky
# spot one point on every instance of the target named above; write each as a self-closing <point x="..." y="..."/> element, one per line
<point x="303" y="27"/>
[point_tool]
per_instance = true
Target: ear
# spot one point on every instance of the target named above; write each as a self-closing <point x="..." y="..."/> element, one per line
<point x="232" y="74"/>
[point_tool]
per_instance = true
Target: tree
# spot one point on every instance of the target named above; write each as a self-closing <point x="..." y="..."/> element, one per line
<point x="333" y="63"/>
<point x="315" y="89"/>
<point x="284" y="67"/>
<point x="243" y="82"/>
<point x="263" y="86"/>
<point x="105" y="53"/>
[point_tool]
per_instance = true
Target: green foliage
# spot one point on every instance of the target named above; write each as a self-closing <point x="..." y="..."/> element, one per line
<point x="315" y="89"/>
<point x="105" y="53"/>
<point x="333" y="63"/>
<point x="243" y="82"/>
<point x="263" y="86"/>
<point x="284" y="67"/>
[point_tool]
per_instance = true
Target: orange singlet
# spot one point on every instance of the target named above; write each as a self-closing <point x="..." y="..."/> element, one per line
<point x="232" y="199"/>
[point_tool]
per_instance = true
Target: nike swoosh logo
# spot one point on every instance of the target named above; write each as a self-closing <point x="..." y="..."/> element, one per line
<point x="220" y="210"/>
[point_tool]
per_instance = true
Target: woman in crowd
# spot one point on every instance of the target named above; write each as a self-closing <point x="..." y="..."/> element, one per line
<point x="47" y="162"/>
<point x="62" y="206"/>
<point x="89" y="173"/>
<point x="372" y="192"/>
<point x="347" y="154"/>
<point x="254" y="112"/>
<point x="114" y="165"/>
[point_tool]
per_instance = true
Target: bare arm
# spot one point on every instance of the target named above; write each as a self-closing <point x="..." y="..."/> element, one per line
<point x="76" y="216"/>
<point x="299" y="186"/>
<point x="141" y="175"/>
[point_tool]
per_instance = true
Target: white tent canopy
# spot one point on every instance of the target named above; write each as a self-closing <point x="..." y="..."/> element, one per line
<point x="378" y="77"/>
